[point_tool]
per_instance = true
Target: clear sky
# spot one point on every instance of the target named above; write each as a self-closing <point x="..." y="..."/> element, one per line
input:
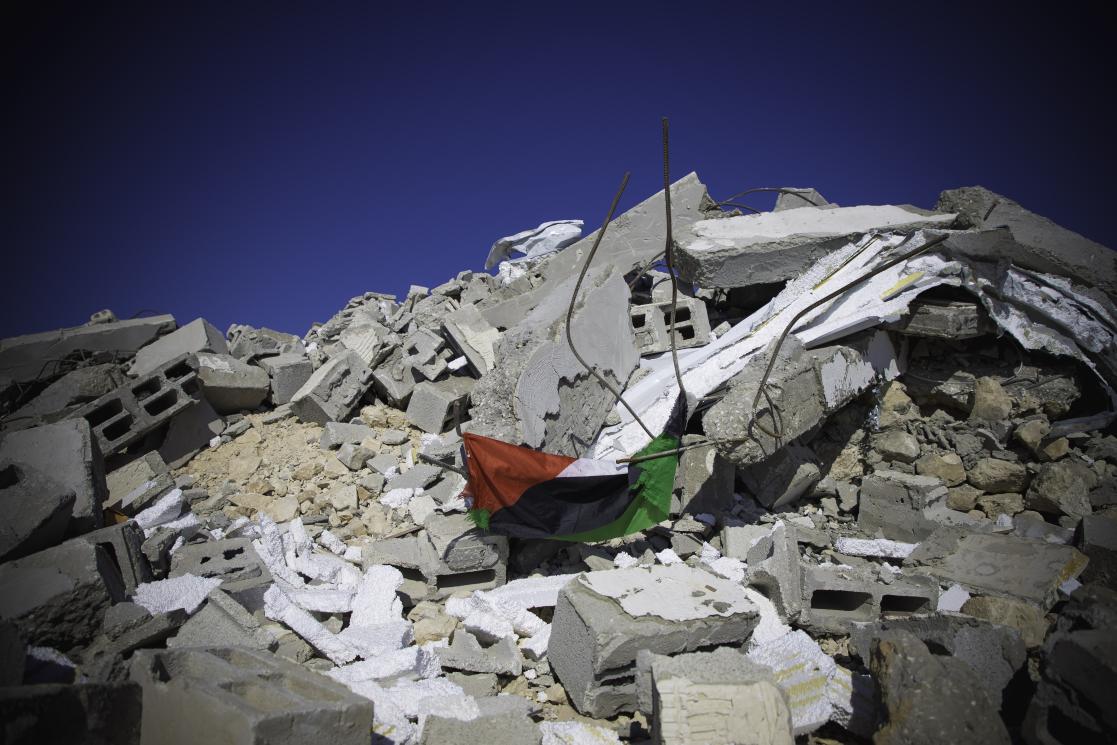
<point x="263" y="163"/>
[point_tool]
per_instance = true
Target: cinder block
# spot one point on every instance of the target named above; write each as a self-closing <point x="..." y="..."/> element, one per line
<point x="231" y="385"/>
<point x="602" y="619"/>
<point x="122" y="417"/>
<point x="124" y="545"/>
<point x="243" y="697"/>
<point x="501" y="720"/>
<point x="432" y="407"/>
<point x="651" y="323"/>
<point x="190" y="432"/>
<point x="137" y="484"/>
<point x="833" y="598"/>
<point x="243" y="574"/>
<point x="333" y="391"/>
<point x="288" y="373"/>
<point x="223" y="622"/>
<point x="197" y="336"/>
<point x="68" y="454"/>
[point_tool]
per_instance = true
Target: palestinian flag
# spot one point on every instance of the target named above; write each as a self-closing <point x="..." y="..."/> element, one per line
<point x="525" y="493"/>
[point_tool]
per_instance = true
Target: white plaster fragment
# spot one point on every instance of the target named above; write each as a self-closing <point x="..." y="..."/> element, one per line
<point x="535" y="648"/>
<point x="186" y="592"/>
<point x="877" y="547"/>
<point x="278" y="607"/>
<point x="332" y="543"/>
<point x="952" y="600"/>
<point x="675" y="593"/>
<point x="376" y="601"/>
<point x="166" y="508"/>
<point x="577" y="733"/>
<point x="668" y="557"/>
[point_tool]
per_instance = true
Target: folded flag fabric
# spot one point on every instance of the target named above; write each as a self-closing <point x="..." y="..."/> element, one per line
<point x="525" y="493"/>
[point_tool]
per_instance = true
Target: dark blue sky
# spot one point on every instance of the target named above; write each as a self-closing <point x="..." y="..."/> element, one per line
<point x="262" y="163"/>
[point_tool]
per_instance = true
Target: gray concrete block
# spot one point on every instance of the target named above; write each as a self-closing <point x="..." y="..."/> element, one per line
<point x="602" y="619"/>
<point x="122" y="417"/>
<point x="252" y="344"/>
<point x="190" y="432"/>
<point x="944" y="319"/>
<point x="438" y="567"/>
<point x="782" y="478"/>
<point x="472" y="336"/>
<point x="336" y="434"/>
<point x="36" y="511"/>
<point x="773" y="568"/>
<point x="223" y="622"/>
<point x="22" y="358"/>
<point x="465" y="653"/>
<point x="653" y="321"/>
<point x="287" y="373"/>
<point x="896" y="504"/>
<point x="136" y="484"/>
<point x="231" y="385"/>
<point x="240" y="696"/>
<point x="67" y="453"/>
<point x="353" y="456"/>
<point x="419" y="476"/>
<point x="716" y="697"/>
<point x="503" y="720"/>
<point x="124" y="545"/>
<point x="244" y="576"/>
<point x="433" y="406"/>
<point x="998" y="564"/>
<point x="777" y="246"/>
<point x="704" y="480"/>
<point x="197" y="336"/>
<point x="835" y="597"/>
<point x="394" y="382"/>
<point x="462" y="547"/>
<point x="58" y="597"/>
<point x="88" y="713"/>
<point x="333" y="391"/>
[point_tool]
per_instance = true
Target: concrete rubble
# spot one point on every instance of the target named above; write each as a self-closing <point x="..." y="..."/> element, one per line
<point x="895" y="516"/>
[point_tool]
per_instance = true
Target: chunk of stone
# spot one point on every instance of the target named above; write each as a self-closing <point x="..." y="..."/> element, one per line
<point x="222" y="622"/>
<point x="333" y="391"/>
<point x="353" y="456"/>
<point x="1028" y="619"/>
<point x="990" y="402"/>
<point x="287" y="373"/>
<point x="1062" y="488"/>
<point x="231" y="385"/>
<point x="945" y="466"/>
<point x="717" y="696"/>
<point x="36" y="511"/>
<point x="58" y="597"/>
<point x="929" y="698"/>
<point x="466" y="653"/>
<point x="776" y="246"/>
<point x="252" y="345"/>
<point x="603" y="619"/>
<point x="67" y="453"/>
<point x="996" y="475"/>
<point x="137" y="484"/>
<point x="998" y="564"/>
<point x="245" y="696"/>
<point x="197" y="336"/>
<point x="897" y="445"/>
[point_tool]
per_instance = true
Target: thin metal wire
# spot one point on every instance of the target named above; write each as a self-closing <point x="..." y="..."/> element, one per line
<point x="669" y="254"/>
<point x="780" y="189"/>
<point x="574" y="299"/>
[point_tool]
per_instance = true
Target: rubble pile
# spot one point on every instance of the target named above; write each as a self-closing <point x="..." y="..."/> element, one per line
<point x="894" y="516"/>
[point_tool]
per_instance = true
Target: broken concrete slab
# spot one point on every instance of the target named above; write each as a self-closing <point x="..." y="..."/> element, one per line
<point x="776" y="246"/>
<point x="223" y="622"/>
<point x="231" y="385"/>
<point x="603" y="619"/>
<point x="717" y="696"/>
<point x="135" y="485"/>
<point x="333" y="391"/>
<point x="998" y="564"/>
<point x="58" y="596"/>
<point x="468" y="332"/>
<point x="36" y="510"/>
<point x="22" y="358"/>
<point x="67" y="453"/>
<point x="1033" y="241"/>
<point x="437" y="407"/>
<point x="243" y="696"/>
<point x="72" y="389"/>
<point x="929" y="698"/>
<point x="197" y="336"/>
<point x="540" y="394"/>
<point x="251" y="344"/>
<point x="791" y="198"/>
